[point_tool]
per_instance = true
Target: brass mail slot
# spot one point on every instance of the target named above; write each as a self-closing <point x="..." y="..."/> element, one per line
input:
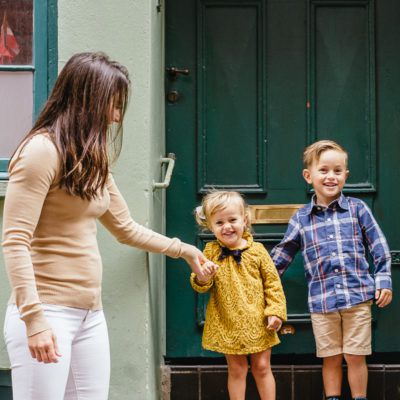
<point x="273" y="213"/>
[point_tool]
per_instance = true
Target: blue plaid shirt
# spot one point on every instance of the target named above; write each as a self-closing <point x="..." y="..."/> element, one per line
<point x="333" y="242"/>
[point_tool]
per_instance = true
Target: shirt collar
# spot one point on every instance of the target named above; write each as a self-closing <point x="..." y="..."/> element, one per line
<point x="341" y="201"/>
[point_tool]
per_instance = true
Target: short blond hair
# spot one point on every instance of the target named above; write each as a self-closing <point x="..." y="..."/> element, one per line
<point x="219" y="200"/>
<point x="313" y="151"/>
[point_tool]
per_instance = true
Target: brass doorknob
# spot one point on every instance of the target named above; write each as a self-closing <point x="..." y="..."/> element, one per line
<point x="173" y="96"/>
<point x="287" y="330"/>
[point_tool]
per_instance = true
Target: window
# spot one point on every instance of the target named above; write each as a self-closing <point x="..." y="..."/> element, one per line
<point x="28" y="67"/>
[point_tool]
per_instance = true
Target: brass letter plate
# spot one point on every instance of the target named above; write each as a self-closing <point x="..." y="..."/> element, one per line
<point x="273" y="213"/>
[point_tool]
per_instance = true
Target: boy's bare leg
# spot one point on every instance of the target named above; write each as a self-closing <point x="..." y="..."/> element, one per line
<point x="261" y="369"/>
<point x="332" y="375"/>
<point x="357" y="374"/>
<point x="237" y="372"/>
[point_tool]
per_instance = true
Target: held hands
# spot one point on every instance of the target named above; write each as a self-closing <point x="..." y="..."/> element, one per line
<point x="197" y="262"/>
<point x="274" y="323"/>
<point x="383" y="297"/>
<point x="43" y="346"/>
<point x="209" y="269"/>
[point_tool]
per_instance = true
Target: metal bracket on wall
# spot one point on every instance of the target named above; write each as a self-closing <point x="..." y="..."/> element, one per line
<point x="170" y="160"/>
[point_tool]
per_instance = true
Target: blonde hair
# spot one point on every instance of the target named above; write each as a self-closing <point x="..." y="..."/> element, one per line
<point x="313" y="152"/>
<point x="219" y="200"/>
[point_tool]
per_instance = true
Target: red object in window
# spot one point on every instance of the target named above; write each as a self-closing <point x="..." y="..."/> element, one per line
<point x="9" y="47"/>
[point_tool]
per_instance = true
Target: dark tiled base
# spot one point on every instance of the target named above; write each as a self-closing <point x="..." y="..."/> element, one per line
<point x="296" y="382"/>
<point x="5" y="384"/>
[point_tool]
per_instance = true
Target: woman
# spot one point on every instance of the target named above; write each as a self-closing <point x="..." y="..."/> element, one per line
<point x="60" y="183"/>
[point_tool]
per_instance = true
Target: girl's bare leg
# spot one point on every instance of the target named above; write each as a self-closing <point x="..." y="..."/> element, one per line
<point x="237" y="372"/>
<point x="261" y="369"/>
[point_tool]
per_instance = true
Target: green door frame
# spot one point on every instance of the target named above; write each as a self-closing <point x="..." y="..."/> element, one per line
<point x="45" y="57"/>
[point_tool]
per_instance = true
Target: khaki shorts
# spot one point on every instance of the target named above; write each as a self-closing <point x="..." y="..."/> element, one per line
<point x="344" y="331"/>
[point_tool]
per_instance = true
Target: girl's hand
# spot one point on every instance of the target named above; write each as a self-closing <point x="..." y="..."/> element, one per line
<point x="383" y="297"/>
<point x="209" y="270"/>
<point x="274" y="323"/>
<point x="43" y="346"/>
<point x="195" y="258"/>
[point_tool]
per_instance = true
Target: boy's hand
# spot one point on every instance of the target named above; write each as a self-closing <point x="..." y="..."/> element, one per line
<point x="383" y="297"/>
<point x="209" y="269"/>
<point x="274" y="323"/>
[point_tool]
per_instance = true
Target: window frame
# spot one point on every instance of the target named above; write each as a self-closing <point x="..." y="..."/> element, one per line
<point x="44" y="66"/>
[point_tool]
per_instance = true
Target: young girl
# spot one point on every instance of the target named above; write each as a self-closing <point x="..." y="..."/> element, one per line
<point x="247" y="304"/>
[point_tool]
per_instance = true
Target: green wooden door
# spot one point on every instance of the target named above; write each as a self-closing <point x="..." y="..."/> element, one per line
<point x="265" y="79"/>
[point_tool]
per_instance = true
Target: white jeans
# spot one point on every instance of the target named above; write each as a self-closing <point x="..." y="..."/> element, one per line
<point x="83" y="370"/>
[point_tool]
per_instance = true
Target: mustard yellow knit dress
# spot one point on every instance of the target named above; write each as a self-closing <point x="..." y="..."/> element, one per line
<point x="242" y="297"/>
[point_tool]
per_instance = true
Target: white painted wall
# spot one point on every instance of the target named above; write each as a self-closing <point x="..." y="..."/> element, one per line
<point x="131" y="32"/>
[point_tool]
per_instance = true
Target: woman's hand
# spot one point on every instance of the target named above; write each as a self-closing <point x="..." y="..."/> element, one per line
<point x="274" y="323"/>
<point x="43" y="346"/>
<point x="195" y="258"/>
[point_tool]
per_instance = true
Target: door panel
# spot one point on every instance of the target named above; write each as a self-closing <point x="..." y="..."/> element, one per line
<point x="341" y="61"/>
<point x="266" y="79"/>
<point x="231" y="81"/>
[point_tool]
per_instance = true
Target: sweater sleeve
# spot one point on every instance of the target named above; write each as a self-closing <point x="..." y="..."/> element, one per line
<point x="32" y="172"/>
<point x="118" y="221"/>
<point x="274" y="296"/>
<point x="200" y="287"/>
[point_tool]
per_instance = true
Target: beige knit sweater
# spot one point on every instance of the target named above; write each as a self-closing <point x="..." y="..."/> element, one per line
<point x="49" y="237"/>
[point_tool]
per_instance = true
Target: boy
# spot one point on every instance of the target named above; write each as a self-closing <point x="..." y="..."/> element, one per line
<point x="332" y="231"/>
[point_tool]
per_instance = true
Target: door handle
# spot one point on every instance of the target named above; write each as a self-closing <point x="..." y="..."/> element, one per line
<point x="173" y="72"/>
<point x="170" y="160"/>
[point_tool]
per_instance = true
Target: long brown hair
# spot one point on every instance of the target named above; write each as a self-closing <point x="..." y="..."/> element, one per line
<point x="77" y="118"/>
